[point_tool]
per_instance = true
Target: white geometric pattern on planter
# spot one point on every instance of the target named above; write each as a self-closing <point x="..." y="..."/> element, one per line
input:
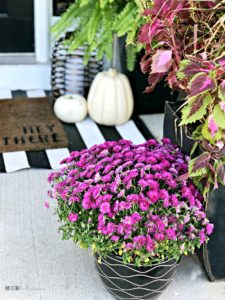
<point x="125" y="281"/>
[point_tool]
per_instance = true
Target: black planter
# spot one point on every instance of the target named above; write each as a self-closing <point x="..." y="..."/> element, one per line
<point x="212" y="255"/>
<point x="129" y="282"/>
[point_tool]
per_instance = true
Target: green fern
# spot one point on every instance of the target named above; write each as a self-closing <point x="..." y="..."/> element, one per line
<point x="94" y="24"/>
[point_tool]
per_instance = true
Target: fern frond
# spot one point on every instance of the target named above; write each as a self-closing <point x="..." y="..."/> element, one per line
<point x="95" y="23"/>
<point x="131" y="53"/>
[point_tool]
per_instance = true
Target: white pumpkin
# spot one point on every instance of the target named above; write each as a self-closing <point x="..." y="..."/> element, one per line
<point x="110" y="99"/>
<point x="70" y="108"/>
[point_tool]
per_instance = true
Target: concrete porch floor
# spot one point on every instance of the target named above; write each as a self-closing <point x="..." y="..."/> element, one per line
<point x="34" y="259"/>
<point x="36" y="264"/>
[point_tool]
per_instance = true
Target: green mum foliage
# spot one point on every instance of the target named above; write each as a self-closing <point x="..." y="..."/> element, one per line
<point x="95" y="23"/>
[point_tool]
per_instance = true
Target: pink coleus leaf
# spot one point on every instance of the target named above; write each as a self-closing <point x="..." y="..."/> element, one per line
<point x="153" y="80"/>
<point x="222" y="62"/>
<point x="192" y="69"/>
<point x="161" y="61"/>
<point x="172" y="79"/>
<point x="205" y="63"/>
<point x="149" y="31"/>
<point x="145" y="64"/>
<point x="220" y="144"/>
<point x="220" y="170"/>
<point x="222" y="85"/>
<point x="167" y="8"/>
<point x="207" y="4"/>
<point x="201" y="83"/>
<point x="212" y="126"/>
<point x="200" y="161"/>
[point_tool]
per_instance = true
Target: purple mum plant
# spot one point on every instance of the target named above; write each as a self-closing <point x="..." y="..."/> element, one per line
<point x="130" y="200"/>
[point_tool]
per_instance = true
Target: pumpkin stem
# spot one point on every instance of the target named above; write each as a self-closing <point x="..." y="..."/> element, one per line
<point x="112" y="72"/>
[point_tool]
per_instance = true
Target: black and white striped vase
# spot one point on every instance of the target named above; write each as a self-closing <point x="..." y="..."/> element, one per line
<point x="127" y="282"/>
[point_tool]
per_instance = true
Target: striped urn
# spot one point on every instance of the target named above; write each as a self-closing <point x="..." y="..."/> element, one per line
<point x="125" y="281"/>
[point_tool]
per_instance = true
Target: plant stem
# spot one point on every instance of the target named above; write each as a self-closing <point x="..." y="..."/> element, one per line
<point x="115" y="49"/>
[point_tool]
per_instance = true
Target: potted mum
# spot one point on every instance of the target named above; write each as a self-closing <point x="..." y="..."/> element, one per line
<point x="131" y="205"/>
<point x="184" y="42"/>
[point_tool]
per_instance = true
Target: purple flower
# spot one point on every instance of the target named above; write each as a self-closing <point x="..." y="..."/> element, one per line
<point x="132" y="198"/>
<point x="121" y="193"/>
<point x="105" y="207"/>
<point x="154" y="185"/>
<point x="136" y="218"/>
<point x="164" y="195"/>
<point x="209" y="228"/>
<point x="74" y="199"/>
<point x="111" y="227"/>
<point x="166" y="141"/>
<point x="73" y="217"/>
<point x="124" y="205"/>
<point x="143" y="183"/>
<point x="186" y="219"/>
<point x="47" y="205"/>
<point x="106" y="178"/>
<point x="114" y="238"/>
<point x="139" y="241"/>
<point x="171" y="234"/>
<point x="160" y="224"/>
<point x="200" y="214"/>
<point x="120" y="229"/>
<point x="151" y="160"/>
<point x="159" y="236"/>
<point x="153" y="196"/>
<point x="116" y="206"/>
<point x="150" y="246"/>
<point x="182" y="247"/>
<point x="101" y="219"/>
<point x="174" y="201"/>
<point x="144" y="205"/>
<point x="50" y="194"/>
<point x="171" y="183"/>
<point x="86" y="203"/>
<point x="127" y="220"/>
<point x="106" y="198"/>
<point x="186" y="192"/>
<point x="151" y="142"/>
<point x="166" y="202"/>
<point x="202" y="237"/>
<point x="129" y="246"/>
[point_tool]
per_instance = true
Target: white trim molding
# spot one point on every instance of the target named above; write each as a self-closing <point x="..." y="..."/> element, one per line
<point x="42" y="23"/>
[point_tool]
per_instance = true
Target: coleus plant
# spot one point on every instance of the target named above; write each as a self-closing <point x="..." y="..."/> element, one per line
<point x="185" y="42"/>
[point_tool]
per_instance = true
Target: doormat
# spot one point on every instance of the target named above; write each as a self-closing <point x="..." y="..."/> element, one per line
<point x="30" y="125"/>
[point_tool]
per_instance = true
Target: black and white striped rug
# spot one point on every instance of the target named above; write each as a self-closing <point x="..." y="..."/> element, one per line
<point x="81" y="135"/>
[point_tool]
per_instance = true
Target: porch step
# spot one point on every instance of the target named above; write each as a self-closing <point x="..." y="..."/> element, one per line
<point x="25" y="77"/>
